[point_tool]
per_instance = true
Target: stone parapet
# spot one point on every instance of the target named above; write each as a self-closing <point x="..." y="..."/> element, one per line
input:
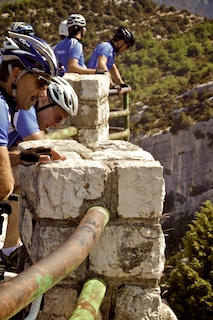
<point x="92" y="119"/>
<point x="129" y="255"/>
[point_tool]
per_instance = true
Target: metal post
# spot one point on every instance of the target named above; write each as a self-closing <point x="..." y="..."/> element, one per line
<point x="17" y="293"/>
<point x="89" y="300"/>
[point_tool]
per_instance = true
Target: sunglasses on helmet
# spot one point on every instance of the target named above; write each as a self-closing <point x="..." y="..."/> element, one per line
<point x="41" y="81"/>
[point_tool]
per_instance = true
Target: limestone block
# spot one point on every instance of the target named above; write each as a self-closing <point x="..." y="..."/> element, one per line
<point x="94" y="87"/>
<point x="129" y="250"/>
<point x="59" y="303"/>
<point x="92" y="114"/>
<point x="97" y="134"/>
<point x="141" y="190"/>
<point x="57" y="189"/>
<point x="166" y="312"/>
<point x="90" y="86"/>
<point x="136" y="303"/>
<point x="118" y="150"/>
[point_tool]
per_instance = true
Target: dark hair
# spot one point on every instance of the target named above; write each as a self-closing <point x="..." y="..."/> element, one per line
<point x="4" y="72"/>
<point x="73" y="31"/>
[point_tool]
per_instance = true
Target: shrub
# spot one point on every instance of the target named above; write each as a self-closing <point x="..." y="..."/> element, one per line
<point x="190" y="282"/>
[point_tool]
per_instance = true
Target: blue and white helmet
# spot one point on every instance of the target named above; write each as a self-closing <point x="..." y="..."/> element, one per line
<point x="35" y="55"/>
<point x="22" y="28"/>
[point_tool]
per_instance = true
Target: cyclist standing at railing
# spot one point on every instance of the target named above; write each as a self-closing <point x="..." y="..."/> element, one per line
<point x="69" y="52"/>
<point x="103" y="56"/>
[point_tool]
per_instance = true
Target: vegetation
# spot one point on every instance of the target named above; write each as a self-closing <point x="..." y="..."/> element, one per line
<point x="190" y="281"/>
<point x="173" y="52"/>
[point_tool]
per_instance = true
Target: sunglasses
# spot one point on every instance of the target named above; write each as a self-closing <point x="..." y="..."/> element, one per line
<point x="58" y="119"/>
<point x="41" y="81"/>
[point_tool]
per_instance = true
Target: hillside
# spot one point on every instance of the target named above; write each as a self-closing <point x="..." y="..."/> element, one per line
<point x="173" y="53"/>
<point x="199" y="7"/>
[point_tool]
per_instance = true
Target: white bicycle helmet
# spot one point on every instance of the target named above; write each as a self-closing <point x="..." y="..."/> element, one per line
<point x="22" y="27"/>
<point x="62" y="93"/>
<point x="63" y="30"/>
<point x="76" y="20"/>
<point x="35" y="55"/>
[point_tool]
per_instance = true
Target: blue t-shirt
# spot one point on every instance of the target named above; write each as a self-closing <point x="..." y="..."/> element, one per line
<point x="69" y="49"/>
<point x="25" y="123"/>
<point x="102" y="49"/>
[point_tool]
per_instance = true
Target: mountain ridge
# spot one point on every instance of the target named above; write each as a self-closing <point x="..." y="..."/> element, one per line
<point x="199" y="7"/>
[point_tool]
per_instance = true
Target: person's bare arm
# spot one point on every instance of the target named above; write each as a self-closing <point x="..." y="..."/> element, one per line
<point x="35" y="136"/>
<point x="6" y="175"/>
<point x="102" y="64"/>
<point x="75" y="68"/>
<point x="115" y="74"/>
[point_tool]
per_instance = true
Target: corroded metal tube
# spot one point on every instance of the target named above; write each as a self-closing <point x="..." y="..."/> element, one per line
<point x="89" y="300"/>
<point x="17" y="293"/>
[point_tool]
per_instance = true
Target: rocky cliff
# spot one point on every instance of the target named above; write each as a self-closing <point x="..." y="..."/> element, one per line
<point x="187" y="159"/>
<point x="199" y="7"/>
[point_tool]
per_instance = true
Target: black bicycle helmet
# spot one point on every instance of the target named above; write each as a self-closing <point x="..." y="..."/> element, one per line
<point x="126" y="35"/>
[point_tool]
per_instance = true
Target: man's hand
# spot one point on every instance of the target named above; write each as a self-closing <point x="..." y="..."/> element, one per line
<point x="40" y="154"/>
<point x="122" y="88"/>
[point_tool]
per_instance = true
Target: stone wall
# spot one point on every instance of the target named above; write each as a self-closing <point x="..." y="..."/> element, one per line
<point x="129" y="255"/>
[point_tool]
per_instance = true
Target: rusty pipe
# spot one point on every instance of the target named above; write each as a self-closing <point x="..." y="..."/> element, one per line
<point x="89" y="300"/>
<point x="17" y="293"/>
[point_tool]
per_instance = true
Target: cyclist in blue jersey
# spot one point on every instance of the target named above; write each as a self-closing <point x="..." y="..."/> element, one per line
<point x="103" y="55"/>
<point x="50" y="111"/>
<point x="69" y="51"/>
<point x="53" y="110"/>
<point x="25" y="72"/>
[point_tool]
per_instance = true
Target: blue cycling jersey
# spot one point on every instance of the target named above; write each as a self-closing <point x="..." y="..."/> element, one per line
<point x="106" y="49"/>
<point x="69" y="49"/>
<point x="5" y="119"/>
<point x="25" y="123"/>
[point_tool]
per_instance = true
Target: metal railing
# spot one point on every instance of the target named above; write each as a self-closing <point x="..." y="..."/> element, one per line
<point x="115" y="133"/>
<point x="120" y="133"/>
<point x="30" y="284"/>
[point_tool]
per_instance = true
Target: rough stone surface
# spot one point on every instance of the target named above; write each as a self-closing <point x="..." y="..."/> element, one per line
<point x="92" y="119"/>
<point x="59" y="303"/>
<point x="117" y="175"/>
<point x="129" y="302"/>
<point x="166" y="312"/>
<point x="128" y="251"/>
<point x="120" y="176"/>
<point x="187" y="160"/>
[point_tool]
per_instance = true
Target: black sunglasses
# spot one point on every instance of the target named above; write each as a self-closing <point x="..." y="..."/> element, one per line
<point x="41" y="81"/>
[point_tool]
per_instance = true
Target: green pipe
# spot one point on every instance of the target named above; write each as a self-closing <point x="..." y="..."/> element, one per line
<point x="64" y="133"/>
<point x="17" y="293"/>
<point x="89" y="300"/>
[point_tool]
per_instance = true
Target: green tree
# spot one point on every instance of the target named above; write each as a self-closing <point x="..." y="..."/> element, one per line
<point x="190" y="283"/>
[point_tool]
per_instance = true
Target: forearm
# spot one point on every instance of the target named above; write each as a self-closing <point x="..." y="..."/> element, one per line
<point x="79" y="70"/>
<point x="115" y="74"/>
<point x="6" y="175"/>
